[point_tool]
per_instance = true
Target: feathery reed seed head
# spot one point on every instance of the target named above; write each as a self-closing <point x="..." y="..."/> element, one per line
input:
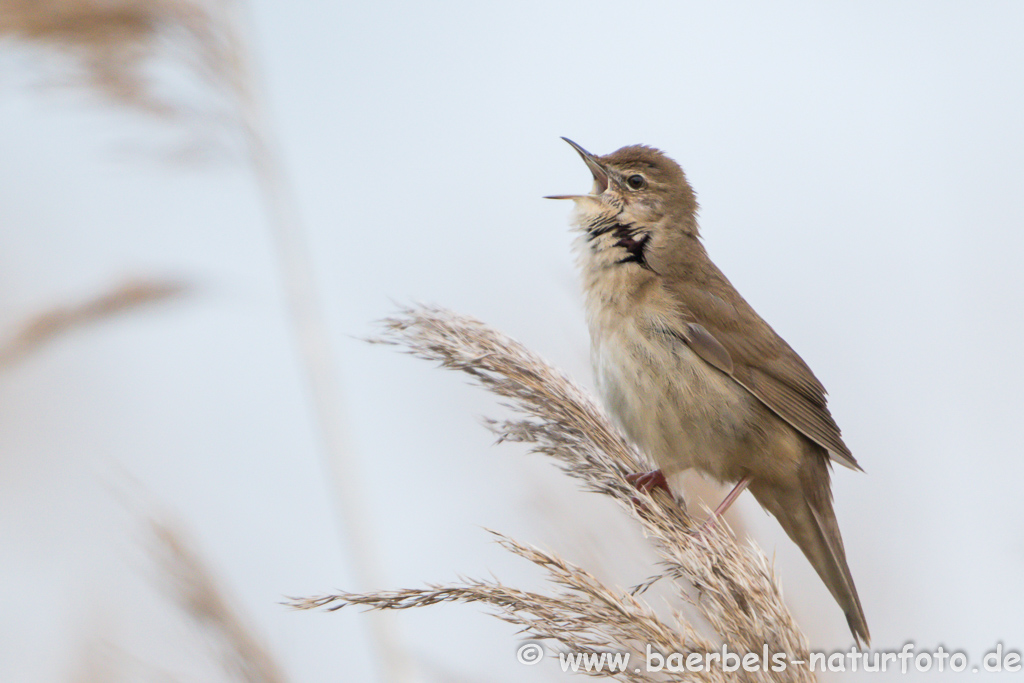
<point x="734" y="587"/>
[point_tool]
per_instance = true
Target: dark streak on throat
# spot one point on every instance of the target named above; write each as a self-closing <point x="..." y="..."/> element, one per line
<point x="631" y="239"/>
<point x="635" y="243"/>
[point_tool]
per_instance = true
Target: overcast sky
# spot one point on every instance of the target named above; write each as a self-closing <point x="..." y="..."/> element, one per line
<point x="860" y="170"/>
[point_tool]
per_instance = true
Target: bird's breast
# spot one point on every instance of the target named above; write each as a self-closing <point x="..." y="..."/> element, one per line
<point x="678" y="409"/>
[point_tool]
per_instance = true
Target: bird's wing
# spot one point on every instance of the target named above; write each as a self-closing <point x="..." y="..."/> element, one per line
<point x="730" y="336"/>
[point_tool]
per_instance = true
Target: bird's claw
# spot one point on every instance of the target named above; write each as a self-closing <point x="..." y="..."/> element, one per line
<point x="648" y="481"/>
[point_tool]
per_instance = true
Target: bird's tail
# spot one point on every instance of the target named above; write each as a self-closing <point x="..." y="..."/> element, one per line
<point x="810" y="521"/>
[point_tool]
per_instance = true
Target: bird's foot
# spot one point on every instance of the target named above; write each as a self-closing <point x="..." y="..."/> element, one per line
<point x="648" y="481"/>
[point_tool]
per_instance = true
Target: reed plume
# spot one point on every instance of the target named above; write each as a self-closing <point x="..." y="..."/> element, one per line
<point x="733" y="586"/>
<point x="193" y="586"/>
<point x="121" y="49"/>
<point x="43" y="327"/>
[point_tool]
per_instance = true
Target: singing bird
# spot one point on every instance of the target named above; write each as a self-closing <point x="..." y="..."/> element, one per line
<point x="691" y="373"/>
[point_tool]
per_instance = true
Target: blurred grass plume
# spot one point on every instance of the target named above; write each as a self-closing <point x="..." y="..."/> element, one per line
<point x="192" y="585"/>
<point x="127" y="52"/>
<point x="41" y="328"/>
<point x="190" y="62"/>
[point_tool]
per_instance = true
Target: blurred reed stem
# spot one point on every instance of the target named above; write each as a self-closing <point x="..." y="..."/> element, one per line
<point x="312" y="336"/>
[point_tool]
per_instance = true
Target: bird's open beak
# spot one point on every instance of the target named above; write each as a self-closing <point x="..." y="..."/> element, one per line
<point x="596" y="168"/>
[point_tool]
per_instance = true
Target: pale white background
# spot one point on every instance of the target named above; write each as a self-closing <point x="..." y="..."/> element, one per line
<point x="860" y="168"/>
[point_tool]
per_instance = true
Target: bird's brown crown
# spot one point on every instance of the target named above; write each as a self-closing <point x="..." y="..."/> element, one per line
<point x="665" y="180"/>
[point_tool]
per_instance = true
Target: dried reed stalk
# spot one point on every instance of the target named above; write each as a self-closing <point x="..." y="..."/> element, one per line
<point x="193" y="585"/>
<point x="735" y="589"/>
<point x="119" y="44"/>
<point x="44" y="327"/>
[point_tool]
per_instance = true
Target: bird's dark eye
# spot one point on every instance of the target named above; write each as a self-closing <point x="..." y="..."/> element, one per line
<point x="636" y="182"/>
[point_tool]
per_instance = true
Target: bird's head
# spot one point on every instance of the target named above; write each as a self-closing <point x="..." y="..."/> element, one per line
<point x="638" y="186"/>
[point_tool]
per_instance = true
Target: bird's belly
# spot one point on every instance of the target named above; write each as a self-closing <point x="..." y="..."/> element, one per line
<point x="679" y="410"/>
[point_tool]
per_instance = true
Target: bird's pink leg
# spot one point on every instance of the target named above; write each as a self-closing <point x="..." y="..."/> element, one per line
<point x="729" y="500"/>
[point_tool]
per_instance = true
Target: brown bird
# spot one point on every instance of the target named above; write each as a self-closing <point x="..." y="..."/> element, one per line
<point x="691" y="372"/>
